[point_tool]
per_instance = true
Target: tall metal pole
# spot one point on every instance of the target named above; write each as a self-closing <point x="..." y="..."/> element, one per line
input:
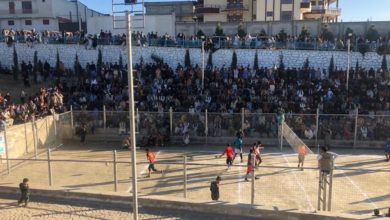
<point x="202" y="65"/>
<point x="132" y="120"/>
<point x="317" y="127"/>
<point x="349" y="62"/>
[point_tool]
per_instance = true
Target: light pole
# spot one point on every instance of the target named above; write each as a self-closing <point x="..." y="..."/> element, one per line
<point x="202" y="38"/>
<point x="349" y="60"/>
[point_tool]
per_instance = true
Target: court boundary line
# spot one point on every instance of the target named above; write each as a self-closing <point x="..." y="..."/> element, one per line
<point x="142" y="172"/>
<point x="308" y="200"/>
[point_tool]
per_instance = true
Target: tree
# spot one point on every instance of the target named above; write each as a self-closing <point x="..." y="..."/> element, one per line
<point x="372" y="34"/>
<point x="304" y="34"/>
<point x="187" y="59"/>
<point x="331" y="65"/>
<point x="120" y="61"/>
<point x="281" y="63"/>
<point x="200" y="33"/>
<point x="306" y="64"/>
<point x="99" y="63"/>
<point x="15" y="68"/>
<point x="210" y="60"/>
<point x="384" y="64"/>
<point x="77" y="66"/>
<point x="219" y="30"/>
<point x="282" y="35"/>
<point x="241" y="30"/>
<point x="327" y="33"/>
<point x="35" y="61"/>
<point x="234" y="60"/>
<point x="256" y="61"/>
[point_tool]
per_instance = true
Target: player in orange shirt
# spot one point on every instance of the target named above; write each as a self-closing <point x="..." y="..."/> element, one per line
<point x="152" y="159"/>
<point x="229" y="151"/>
<point x="301" y="156"/>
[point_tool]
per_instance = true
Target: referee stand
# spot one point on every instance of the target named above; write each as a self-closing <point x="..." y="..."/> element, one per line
<point x="325" y="190"/>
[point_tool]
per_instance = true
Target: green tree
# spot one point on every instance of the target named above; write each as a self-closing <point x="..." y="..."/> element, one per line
<point x="187" y="59"/>
<point x="282" y="35"/>
<point x="77" y="66"/>
<point x="281" y="62"/>
<point x="15" y="68"/>
<point x="304" y="34"/>
<point x="35" y="61"/>
<point x="219" y="30"/>
<point x="372" y="34"/>
<point x="210" y="60"/>
<point x="256" y="61"/>
<point x="200" y="33"/>
<point x="306" y="64"/>
<point x="241" y="30"/>
<point x="327" y="33"/>
<point x="120" y="61"/>
<point x="234" y="60"/>
<point x="99" y="63"/>
<point x="331" y="65"/>
<point x="384" y="64"/>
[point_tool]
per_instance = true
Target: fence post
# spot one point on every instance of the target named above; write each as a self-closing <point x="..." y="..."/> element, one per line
<point x="6" y="150"/>
<point x="206" y="125"/>
<point x="34" y="130"/>
<point x="25" y="137"/>
<point x="355" y="135"/>
<point x="253" y="180"/>
<point x="171" y="120"/>
<point x="185" y="176"/>
<point x="281" y="136"/>
<point x="137" y="121"/>
<point x="104" y="117"/>
<point x="317" y="125"/>
<point x="71" y="120"/>
<point x="115" y="172"/>
<point x="49" y="167"/>
<point x="330" y="190"/>
<point x="242" y="120"/>
<point x="47" y="132"/>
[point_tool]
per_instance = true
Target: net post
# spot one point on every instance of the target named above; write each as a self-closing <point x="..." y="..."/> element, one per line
<point x="242" y="119"/>
<point x="330" y="190"/>
<point x="104" y="117"/>
<point x="253" y="181"/>
<point x="115" y="171"/>
<point x="355" y="133"/>
<point x="171" y="120"/>
<point x="25" y="137"/>
<point x="324" y="182"/>
<point x="319" y="191"/>
<point x="7" y="150"/>
<point x="71" y="120"/>
<point x="47" y="131"/>
<point x="49" y="167"/>
<point x="317" y="125"/>
<point x="206" y="127"/>
<point x="281" y="136"/>
<point x="34" y="130"/>
<point x="185" y="175"/>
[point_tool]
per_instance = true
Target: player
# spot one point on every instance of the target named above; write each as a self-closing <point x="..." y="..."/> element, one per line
<point x="387" y="149"/>
<point x="152" y="159"/>
<point x="326" y="160"/>
<point x="301" y="156"/>
<point x="238" y="147"/>
<point x="250" y="164"/>
<point x="25" y="192"/>
<point x="229" y="155"/>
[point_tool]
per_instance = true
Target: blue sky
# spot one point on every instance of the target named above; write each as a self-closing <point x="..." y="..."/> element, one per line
<point x="352" y="10"/>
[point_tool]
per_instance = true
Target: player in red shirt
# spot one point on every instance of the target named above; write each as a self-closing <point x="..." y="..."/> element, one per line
<point x="229" y="151"/>
<point x="152" y="159"/>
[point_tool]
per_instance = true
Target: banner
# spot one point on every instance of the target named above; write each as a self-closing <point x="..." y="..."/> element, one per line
<point x="292" y="139"/>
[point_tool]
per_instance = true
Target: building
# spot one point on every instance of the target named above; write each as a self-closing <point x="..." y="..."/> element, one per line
<point x="57" y="15"/>
<point x="183" y="10"/>
<point x="266" y="10"/>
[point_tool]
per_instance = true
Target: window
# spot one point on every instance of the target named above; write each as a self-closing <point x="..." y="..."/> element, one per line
<point x="286" y="16"/>
<point x="11" y="6"/>
<point x="287" y="1"/>
<point x="11" y="23"/>
<point x="270" y="13"/>
<point x="46" y="22"/>
<point x="28" y="22"/>
<point x="27" y="7"/>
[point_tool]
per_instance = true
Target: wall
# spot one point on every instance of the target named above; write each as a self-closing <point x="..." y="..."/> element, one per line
<point x="173" y="56"/>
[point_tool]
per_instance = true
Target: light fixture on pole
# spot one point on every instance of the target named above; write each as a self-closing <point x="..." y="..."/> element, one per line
<point x="349" y="60"/>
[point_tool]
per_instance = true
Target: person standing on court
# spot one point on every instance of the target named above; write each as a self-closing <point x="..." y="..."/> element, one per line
<point x="238" y="146"/>
<point x="301" y="156"/>
<point x="25" y="192"/>
<point x="83" y="132"/>
<point x="152" y="159"/>
<point x="387" y="149"/>
<point x="250" y="165"/>
<point x="326" y="160"/>
<point x="229" y="155"/>
<point x="214" y="188"/>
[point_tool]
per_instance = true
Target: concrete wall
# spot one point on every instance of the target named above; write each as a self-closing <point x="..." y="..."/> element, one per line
<point x="173" y="56"/>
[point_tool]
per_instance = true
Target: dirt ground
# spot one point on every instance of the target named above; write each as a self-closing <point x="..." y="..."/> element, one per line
<point x="360" y="181"/>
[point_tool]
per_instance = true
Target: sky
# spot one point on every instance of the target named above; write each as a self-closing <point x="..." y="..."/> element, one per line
<point x="351" y="10"/>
